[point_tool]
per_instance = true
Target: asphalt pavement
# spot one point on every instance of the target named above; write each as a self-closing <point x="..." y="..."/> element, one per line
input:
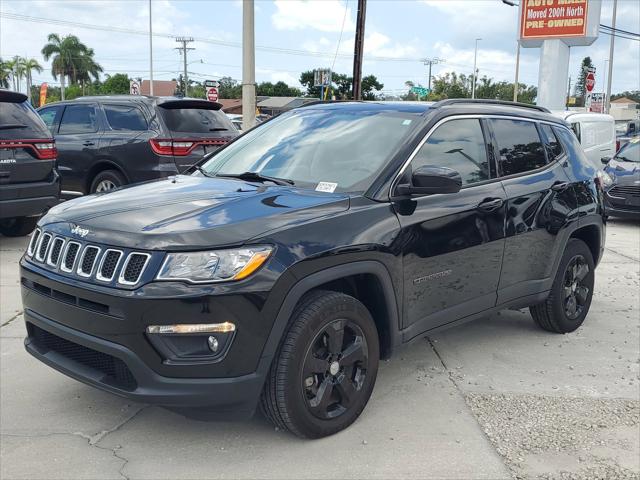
<point x="496" y="398"/>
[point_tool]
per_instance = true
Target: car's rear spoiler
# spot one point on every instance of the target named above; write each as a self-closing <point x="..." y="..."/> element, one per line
<point x="190" y="103"/>
<point x="12" y="97"/>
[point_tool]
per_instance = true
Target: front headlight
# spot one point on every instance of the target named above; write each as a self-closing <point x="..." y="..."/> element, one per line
<point x="607" y="179"/>
<point x="214" y="265"/>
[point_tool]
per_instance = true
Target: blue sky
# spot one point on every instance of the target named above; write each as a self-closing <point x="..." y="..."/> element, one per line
<point x="294" y="36"/>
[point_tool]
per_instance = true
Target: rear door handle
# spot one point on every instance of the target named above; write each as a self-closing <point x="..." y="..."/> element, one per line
<point x="560" y="186"/>
<point x="490" y="204"/>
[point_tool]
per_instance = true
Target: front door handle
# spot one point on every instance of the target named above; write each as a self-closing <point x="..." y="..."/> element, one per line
<point x="88" y="144"/>
<point x="490" y="204"/>
<point x="560" y="186"/>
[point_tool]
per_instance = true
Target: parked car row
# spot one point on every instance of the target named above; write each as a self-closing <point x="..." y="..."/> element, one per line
<point x="105" y="142"/>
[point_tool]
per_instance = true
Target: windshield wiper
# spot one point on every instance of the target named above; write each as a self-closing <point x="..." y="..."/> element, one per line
<point x="9" y="126"/>
<point x="623" y="159"/>
<point x="257" y="177"/>
<point x="218" y="129"/>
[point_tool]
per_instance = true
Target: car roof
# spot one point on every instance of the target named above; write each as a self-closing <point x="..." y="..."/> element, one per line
<point x="454" y="106"/>
<point x="130" y="98"/>
<point x="571" y="116"/>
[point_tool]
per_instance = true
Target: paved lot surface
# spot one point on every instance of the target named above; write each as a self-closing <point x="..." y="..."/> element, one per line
<point x="497" y="398"/>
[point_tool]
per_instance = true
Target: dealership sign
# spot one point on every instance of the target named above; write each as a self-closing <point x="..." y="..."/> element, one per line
<point x="553" y="18"/>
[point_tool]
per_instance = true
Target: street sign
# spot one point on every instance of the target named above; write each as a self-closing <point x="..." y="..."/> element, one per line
<point x="212" y="94"/>
<point x="420" y="91"/>
<point x="211" y="83"/>
<point x="322" y="77"/>
<point x="134" y="87"/>
<point x="590" y="82"/>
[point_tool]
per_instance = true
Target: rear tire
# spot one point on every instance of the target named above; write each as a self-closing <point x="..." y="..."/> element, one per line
<point x="106" y="181"/>
<point x="325" y="369"/>
<point x="18" y="227"/>
<point x="570" y="298"/>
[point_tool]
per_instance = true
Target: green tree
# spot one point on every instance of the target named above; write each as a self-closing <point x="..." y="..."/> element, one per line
<point x="580" y="90"/>
<point x="115" y="84"/>
<point x="229" y="88"/>
<point x="631" y="95"/>
<point x="5" y="73"/>
<point x="342" y="86"/>
<point x="71" y="59"/>
<point x="29" y="66"/>
<point x="451" y="85"/>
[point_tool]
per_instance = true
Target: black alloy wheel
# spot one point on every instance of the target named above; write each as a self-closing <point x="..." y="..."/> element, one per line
<point x="335" y="369"/>
<point x="576" y="290"/>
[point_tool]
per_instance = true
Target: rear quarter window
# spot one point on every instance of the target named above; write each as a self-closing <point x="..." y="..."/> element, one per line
<point x="196" y="120"/>
<point x="21" y="121"/>
<point x="125" y="117"/>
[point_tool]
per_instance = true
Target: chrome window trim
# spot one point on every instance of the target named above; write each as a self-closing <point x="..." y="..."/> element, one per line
<point x="48" y="262"/>
<point x="64" y="256"/>
<point x="34" y="239"/>
<point x="121" y="279"/>
<point x="477" y="116"/>
<point x="79" y="271"/>
<point x="37" y="251"/>
<point x="115" y="269"/>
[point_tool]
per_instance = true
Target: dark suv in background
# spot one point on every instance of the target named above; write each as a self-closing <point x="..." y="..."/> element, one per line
<point x="108" y="141"/>
<point x="282" y="269"/>
<point x="29" y="183"/>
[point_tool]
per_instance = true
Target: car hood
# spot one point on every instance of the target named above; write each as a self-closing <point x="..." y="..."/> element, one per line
<point x="186" y="212"/>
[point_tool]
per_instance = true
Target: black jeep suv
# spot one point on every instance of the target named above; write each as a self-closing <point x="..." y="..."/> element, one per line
<point x="105" y="142"/>
<point x="293" y="259"/>
<point x="29" y="182"/>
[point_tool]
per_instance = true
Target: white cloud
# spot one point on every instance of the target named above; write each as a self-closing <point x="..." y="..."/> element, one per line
<point x="322" y="15"/>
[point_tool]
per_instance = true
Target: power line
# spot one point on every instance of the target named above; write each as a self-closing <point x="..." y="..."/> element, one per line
<point x="344" y="18"/>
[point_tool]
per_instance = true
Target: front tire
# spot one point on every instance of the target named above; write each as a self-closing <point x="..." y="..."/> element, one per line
<point x="18" y="227"/>
<point x="570" y="298"/>
<point x="326" y="367"/>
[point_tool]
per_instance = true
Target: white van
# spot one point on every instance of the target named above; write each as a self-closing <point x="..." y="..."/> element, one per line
<point x="596" y="132"/>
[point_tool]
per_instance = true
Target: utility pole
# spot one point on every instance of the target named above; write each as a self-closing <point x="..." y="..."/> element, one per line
<point x="607" y="102"/>
<point x="248" y="66"/>
<point x="358" y="50"/>
<point x="430" y="62"/>
<point x="475" y="61"/>
<point x="515" y="85"/>
<point x="150" y="53"/>
<point x="184" y="41"/>
<point x="568" y="94"/>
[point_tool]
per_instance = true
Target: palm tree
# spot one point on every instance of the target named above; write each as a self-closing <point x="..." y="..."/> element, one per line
<point x="67" y="57"/>
<point x="30" y="65"/>
<point x="5" y="73"/>
<point x="87" y="68"/>
<point x="18" y="72"/>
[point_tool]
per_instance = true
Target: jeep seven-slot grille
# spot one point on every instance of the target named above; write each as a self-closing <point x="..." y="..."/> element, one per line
<point x="88" y="261"/>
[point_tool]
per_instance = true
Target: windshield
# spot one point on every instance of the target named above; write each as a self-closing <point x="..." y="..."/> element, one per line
<point x="327" y="150"/>
<point x="629" y="153"/>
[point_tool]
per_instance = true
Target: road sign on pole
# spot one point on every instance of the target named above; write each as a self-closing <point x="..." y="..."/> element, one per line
<point x="590" y="81"/>
<point x="212" y="94"/>
<point x="134" y="87"/>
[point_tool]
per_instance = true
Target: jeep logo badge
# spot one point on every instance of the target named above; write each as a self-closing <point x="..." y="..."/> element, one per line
<point x="78" y="230"/>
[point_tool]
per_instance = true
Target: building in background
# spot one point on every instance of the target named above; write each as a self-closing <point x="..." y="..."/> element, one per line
<point x="624" y="109"/>
<point x="161" y="88"/>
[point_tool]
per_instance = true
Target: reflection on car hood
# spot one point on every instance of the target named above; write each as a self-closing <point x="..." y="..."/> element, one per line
<point x="191" y="212"/>
<point x="624" y="171"/>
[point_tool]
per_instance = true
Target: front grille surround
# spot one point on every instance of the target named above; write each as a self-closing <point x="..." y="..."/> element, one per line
<point x="70" y="252"/>
<point x="55" y="252"/>
<point x="91" y="262"/>
<point x="100" y="271"/>
<point x="122" y="278"/>
<point x="90" y="252"/>
<point x="43" y="246"/>
<point x="624" y="190"/>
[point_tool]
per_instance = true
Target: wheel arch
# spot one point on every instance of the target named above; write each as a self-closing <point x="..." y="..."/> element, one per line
<point x="355" y="279"/>
<point x="101" y="166"/>
<point x="591" y="234"/>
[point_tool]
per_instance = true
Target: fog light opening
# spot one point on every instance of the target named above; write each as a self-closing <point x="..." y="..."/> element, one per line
<point x="213" y="343"/>
<point x="187" y="328"/>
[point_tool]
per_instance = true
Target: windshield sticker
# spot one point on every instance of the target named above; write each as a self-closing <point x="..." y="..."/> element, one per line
<point x="406" y="122"/>
<point x="328" y="187"/>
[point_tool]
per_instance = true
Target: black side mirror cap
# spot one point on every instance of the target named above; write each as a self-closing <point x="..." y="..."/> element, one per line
<point x="605" y="160"/>
<point x="429" y="180"/>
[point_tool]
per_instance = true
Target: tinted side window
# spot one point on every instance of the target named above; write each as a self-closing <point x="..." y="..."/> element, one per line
<point x="519" y="146"/>
<point x="78" y="119"/>
<point x="459" y="145"/>
<point x="554" y="147"/>
<point x="196" y="120"/>
<point x="125" y="117"/>
<point x="48" y="115"/>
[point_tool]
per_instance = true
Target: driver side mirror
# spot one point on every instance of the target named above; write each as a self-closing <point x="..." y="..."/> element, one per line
<point x="427" y="180"/>
<point x="605" y="160"/>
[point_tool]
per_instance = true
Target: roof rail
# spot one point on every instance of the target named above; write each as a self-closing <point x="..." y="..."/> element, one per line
<point x="488" y="101"/>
